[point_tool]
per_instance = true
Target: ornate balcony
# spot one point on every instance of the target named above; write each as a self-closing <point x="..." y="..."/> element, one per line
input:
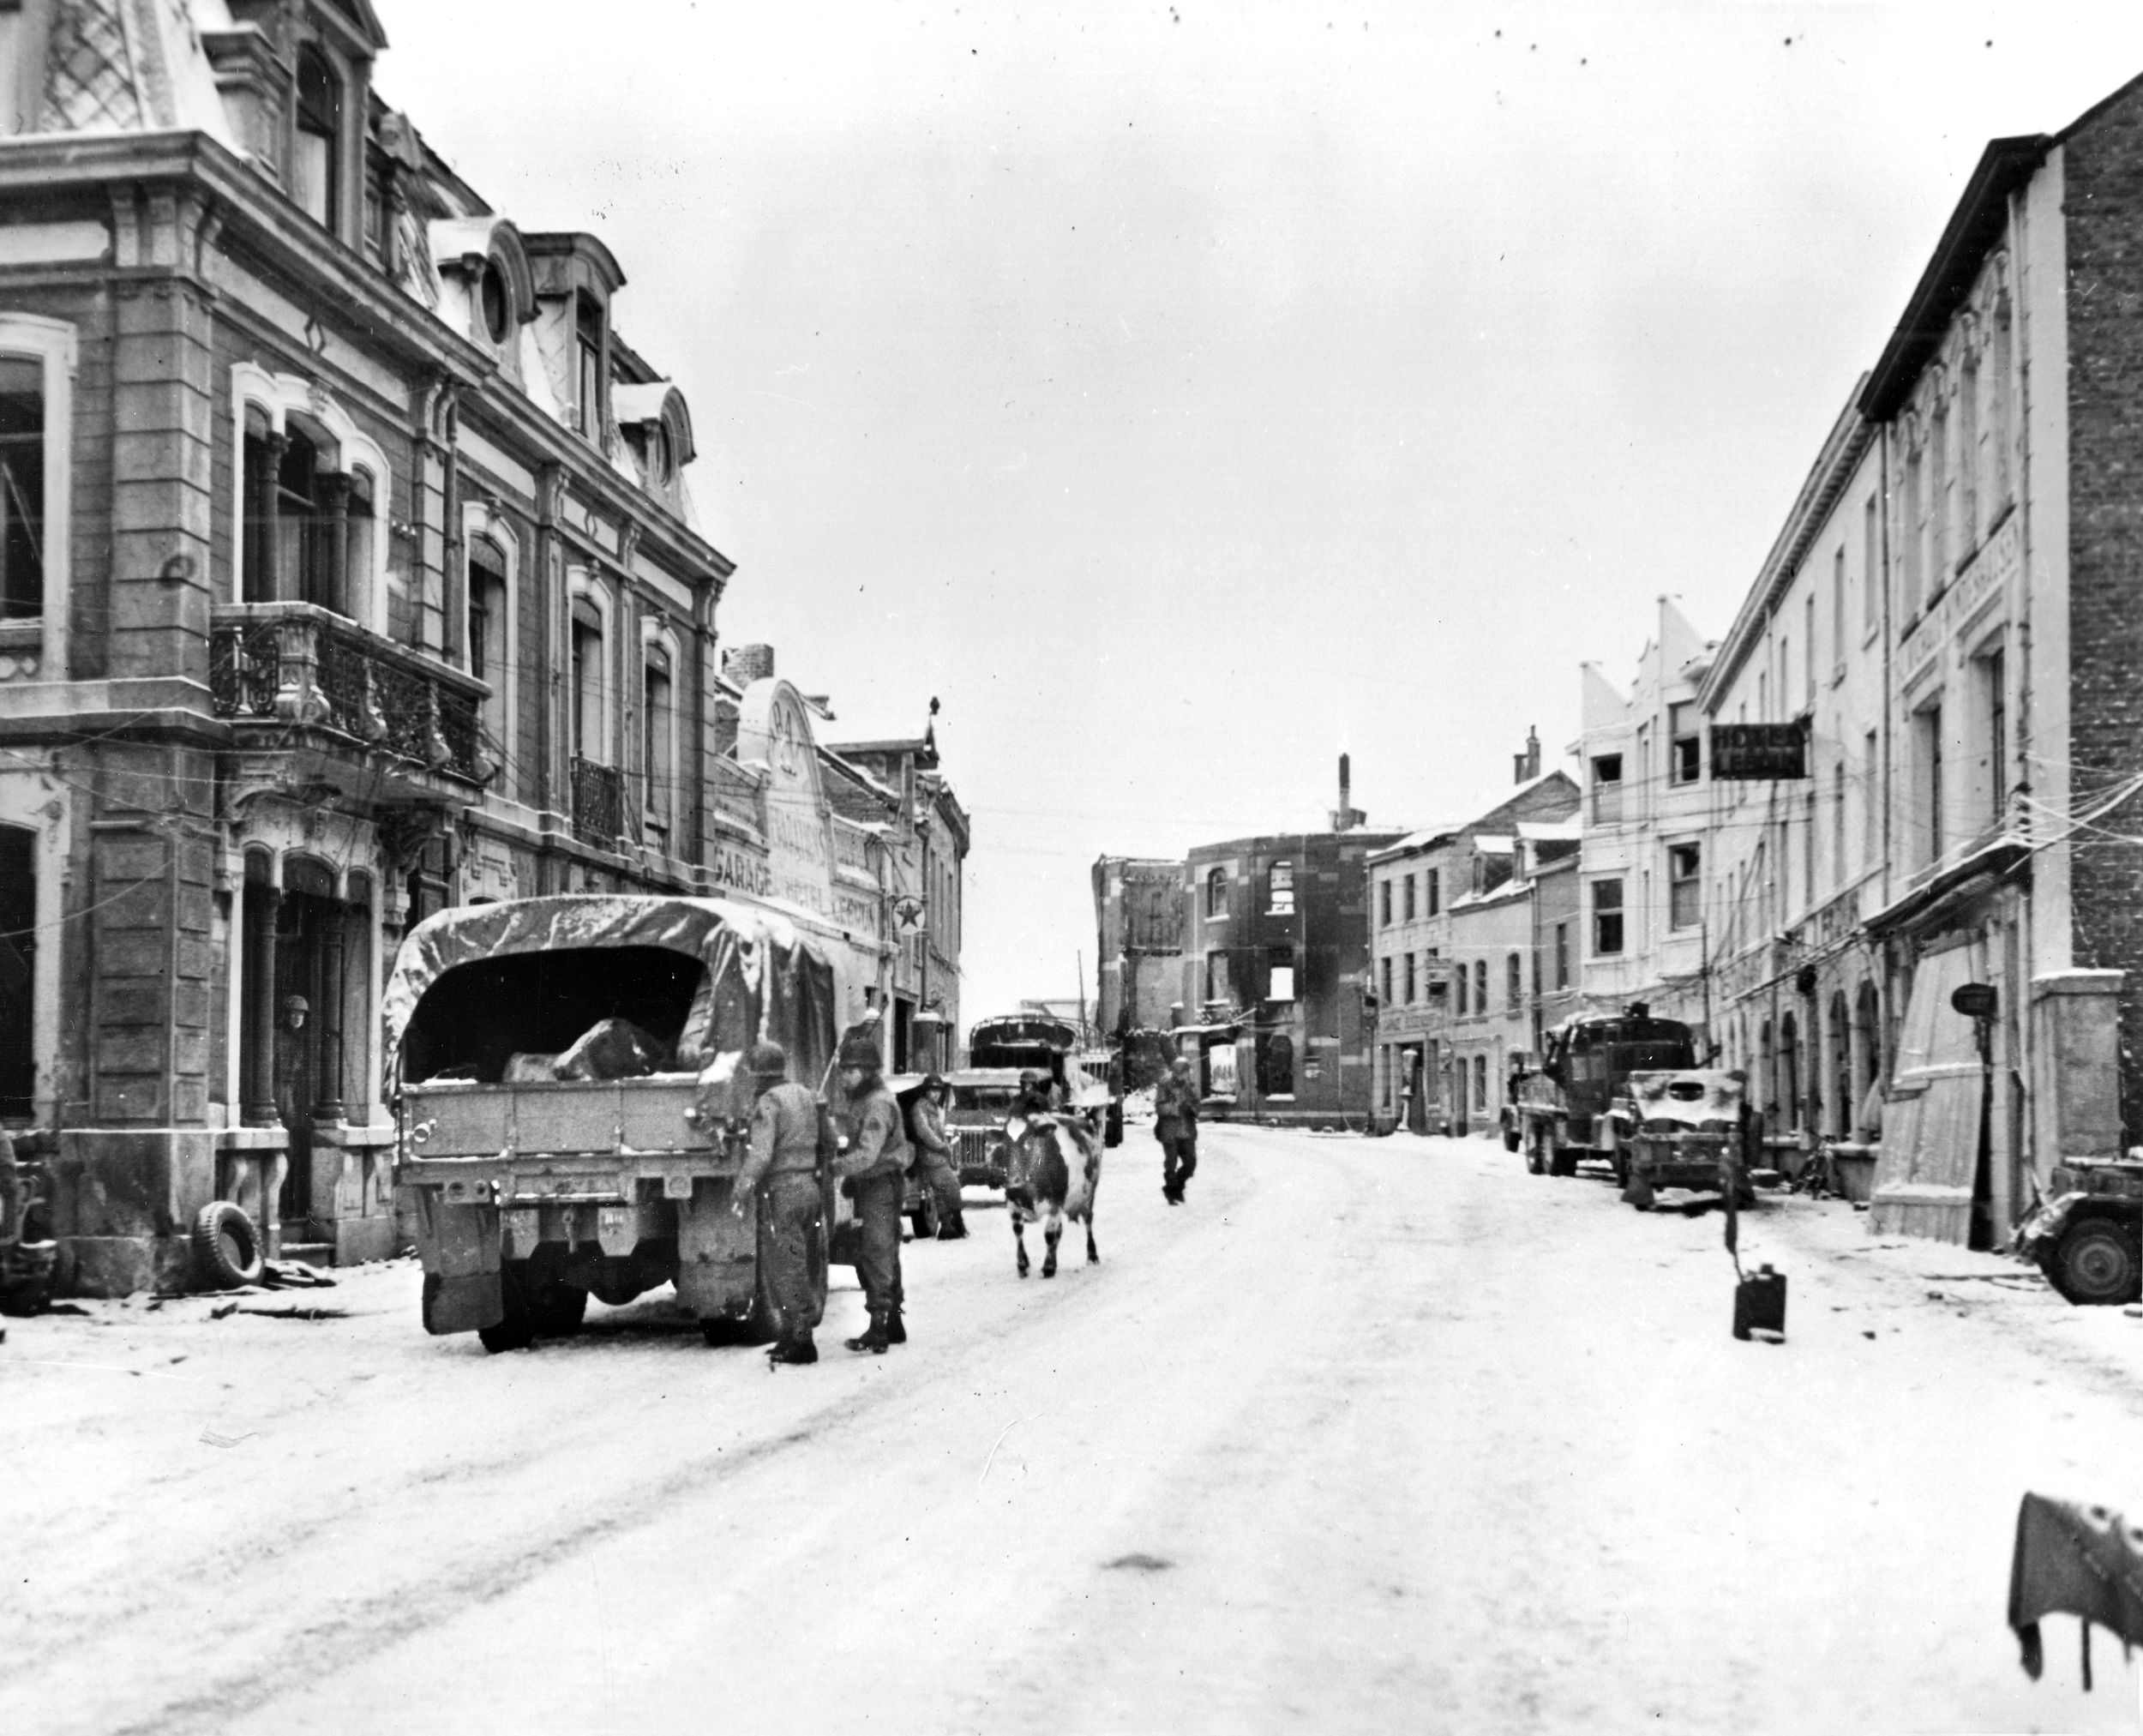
<point x="295" y="665"/>
<point x="598" y="803"/>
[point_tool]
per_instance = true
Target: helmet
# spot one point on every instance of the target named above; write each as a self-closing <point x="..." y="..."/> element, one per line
<point x="859" y="1048"/>
<point x="1032" y="1078"/>
<point x="769" y="1060"/>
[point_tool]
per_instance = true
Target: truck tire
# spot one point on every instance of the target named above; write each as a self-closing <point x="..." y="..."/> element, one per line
<point x="924" y="1220"/>
<point x="558" y="1309"/>
<point x="516" y="1329"/>
<point x="2095" y="1264"/>
<point x="226" y="1246"/>
<point x="1536" y="1150"/>
<point x="1510" y="1135"/>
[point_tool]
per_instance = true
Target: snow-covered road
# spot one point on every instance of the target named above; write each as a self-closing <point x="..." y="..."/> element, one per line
<point x="1372" y="1435"/>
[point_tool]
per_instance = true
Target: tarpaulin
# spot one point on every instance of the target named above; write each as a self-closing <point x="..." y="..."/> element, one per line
<point x="2072" y="1558"/>
<point x="760" y="978"/>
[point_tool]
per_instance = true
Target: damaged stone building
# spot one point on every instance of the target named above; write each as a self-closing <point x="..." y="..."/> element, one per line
<point x="347" y="570"/>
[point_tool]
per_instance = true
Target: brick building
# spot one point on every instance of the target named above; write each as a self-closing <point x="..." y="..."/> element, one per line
<point x="347" y="569"/>
<point x="1138" y="914"/>
<point x="1276" y="959"/>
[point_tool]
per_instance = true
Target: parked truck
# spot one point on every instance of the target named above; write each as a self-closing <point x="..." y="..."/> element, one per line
<point x="572" y="1106"/>
<point x="1561" y="1110"/>
<point x="2087" y="1232"/>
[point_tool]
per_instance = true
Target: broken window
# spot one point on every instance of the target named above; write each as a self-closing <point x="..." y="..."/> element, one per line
<point x="1280" y="889"/>
<point x="589" y="348"/>
<point x="316" y="161"/>
<point x="1606" y="789"/>
<point x="1686" y="895"/>
<point x="1685" y="751"/>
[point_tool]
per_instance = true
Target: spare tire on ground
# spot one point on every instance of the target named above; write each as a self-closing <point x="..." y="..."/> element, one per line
<point x="226" y="1246"/>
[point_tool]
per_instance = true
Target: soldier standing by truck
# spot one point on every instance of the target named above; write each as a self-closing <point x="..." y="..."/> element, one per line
<point x="873" y="1163"/>
<point x="783" y="1167"/>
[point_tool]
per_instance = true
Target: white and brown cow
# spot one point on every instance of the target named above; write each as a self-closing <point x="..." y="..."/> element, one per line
<point x="1054" y="1170"/>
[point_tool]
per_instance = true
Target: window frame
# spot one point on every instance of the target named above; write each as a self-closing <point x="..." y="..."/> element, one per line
<point x="1684" y="880"/>
<point x="53" y="345"/>
<point x="1615" y="911"/>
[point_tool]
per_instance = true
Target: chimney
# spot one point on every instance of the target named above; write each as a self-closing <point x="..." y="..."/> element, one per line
<point x="1346" y="817"/>
<point x="1525" y="767"/>
<point x="746" y="663"/>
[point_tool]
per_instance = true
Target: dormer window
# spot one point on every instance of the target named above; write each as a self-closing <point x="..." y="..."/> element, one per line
<point x="316" y="161"/>
<point x="494" y="304"/>
<point x="658" y="458"/>
<point x="589" y="349"/>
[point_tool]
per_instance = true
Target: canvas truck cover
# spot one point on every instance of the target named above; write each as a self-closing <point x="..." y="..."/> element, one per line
<point x="708" y="977"/>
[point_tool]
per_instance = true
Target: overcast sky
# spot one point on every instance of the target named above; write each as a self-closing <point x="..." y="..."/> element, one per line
<point x="1182" y="394"/>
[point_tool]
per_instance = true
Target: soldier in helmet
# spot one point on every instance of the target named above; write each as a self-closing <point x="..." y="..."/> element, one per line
<point x="783" y="1167"/>
<point x="873" y="1166"/>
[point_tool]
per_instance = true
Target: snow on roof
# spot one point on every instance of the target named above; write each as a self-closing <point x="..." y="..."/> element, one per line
<point x="1494" y="844"/>
<point x="1414" y="841"/>
<point x="1571" y="831"/>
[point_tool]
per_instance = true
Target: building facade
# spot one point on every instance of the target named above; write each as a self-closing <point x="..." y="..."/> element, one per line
<point x="1139" y="911"/>
<point x="348" y="570"/>
<point x="1798" y="857"/>
<point x="1416" y="887"/>
<point x="1276" y="959"/>
<point x="1647" y="811"/>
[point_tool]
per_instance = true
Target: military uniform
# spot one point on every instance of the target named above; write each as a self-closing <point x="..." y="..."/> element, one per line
<point x="783" y="1164"/>
<point x="1175" y="1124"/>
<point x="934" y="1168"/>
<point x="873" y="1171"/>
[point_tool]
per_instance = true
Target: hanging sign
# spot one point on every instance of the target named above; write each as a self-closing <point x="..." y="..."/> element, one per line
<point x="1755" y="751"/>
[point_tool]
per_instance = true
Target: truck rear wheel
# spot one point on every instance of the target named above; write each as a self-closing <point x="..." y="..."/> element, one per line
<point x="558" y="1309"/>
<point x="516" y="1328"/>
<point x="2095" y="1264"/>
<point x="1536" y="1150"/>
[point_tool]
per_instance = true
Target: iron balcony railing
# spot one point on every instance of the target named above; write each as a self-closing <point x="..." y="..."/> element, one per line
<point x="598" y="803"/>
<point x="296" y="663"/>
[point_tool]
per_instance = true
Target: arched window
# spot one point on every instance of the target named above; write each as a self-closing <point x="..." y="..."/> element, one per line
<point x="587" y="680"/>
<point x="1867" y="1036"/>
<point x="658" y="739"/>
<point x="316" y="161"/>
<point x="1480" y="985"/>
<point x="1513" y="984"/>
<point x="299" y="560"/>
<point x="496" y="303"/>
<point x="1216" y="893"/>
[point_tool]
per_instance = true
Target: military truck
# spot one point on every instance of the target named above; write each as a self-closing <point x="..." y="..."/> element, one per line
<point x="1680" y="1129"/>
<point x="572" y="1107"/>
<point x="2086" y="1232"/>
<point x="1561" y="1111"/>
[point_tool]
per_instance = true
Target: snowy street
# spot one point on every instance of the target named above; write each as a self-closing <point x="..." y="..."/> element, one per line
<point x="1373" y="1434"/>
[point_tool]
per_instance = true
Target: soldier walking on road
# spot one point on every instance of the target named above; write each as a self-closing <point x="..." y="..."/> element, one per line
<point x="935" y="1167"/>
<point x="1175" y="1124"/>
<point x="782" y="1166"/>
<point x="872" y="1165"/>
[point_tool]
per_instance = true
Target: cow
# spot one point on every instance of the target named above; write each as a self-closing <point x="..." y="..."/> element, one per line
<point x="1053" y="1169"/>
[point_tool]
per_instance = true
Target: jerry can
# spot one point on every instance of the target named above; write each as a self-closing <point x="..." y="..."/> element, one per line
<point x="1760" y="1303"/>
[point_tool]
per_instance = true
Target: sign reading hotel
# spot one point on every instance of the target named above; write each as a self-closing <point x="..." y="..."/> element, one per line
<point x="1759" y="750"/>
